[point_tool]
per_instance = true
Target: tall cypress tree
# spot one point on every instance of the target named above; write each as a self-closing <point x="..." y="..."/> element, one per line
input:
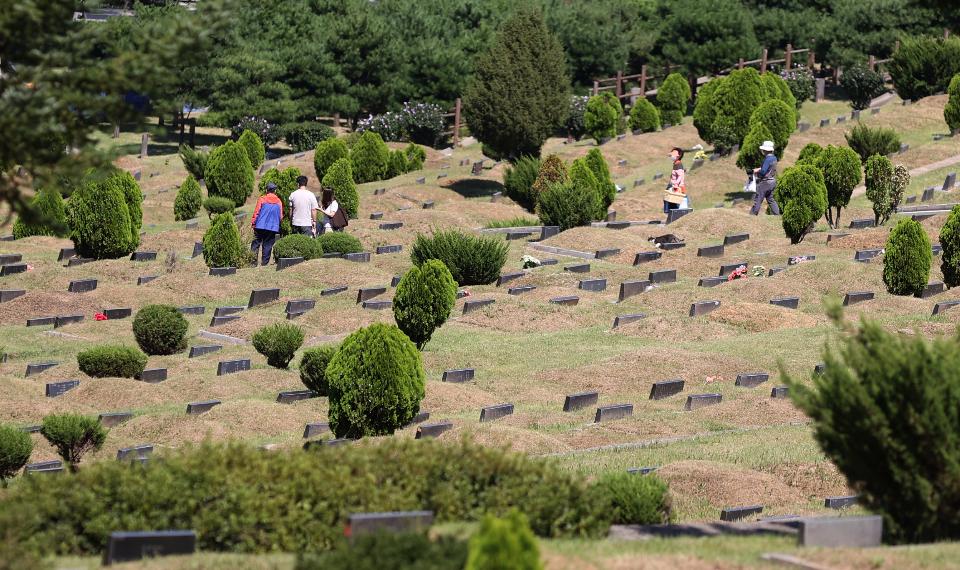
<point x="519" y="92"/>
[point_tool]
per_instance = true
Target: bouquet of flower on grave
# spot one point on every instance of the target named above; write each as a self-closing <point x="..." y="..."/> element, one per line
<point x="759" y="271"/>
<point x="738" y="273"/>
<point x="530" y="261"/>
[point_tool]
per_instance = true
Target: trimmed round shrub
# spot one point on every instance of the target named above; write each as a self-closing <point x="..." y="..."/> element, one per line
<point x="567" y="205"/>
<point x="189" y="200"/>
<point x="581" y="176"/>
<point x="705" y="109"/>
<point x="265" y="131"/>
<point x="253" y="145"/>
<point x="313" y="367"/>
<point x="229" y="173"/>
<point x="518" y="180"/>
<point x="339" y="177"/>
<point x="339" y="242"/>
<point x="776" y="88"/>
<point x="112" y="361"/>
<point x="15" y="449"/>
<point x="128" y="187"/>
<point x="951" y="112"/>
<point x="472" y="260"/>
<point x="907" y="258"/>
<point x="801" y="83"/>
<point x="750" y="155"/>
<point x="802" y="197"/>
<point x="780" y="118"/>
<point x="606" y="187"/>
<point x="216" y="205"/>
<point x="99" y="221"/>
<point x="878" y="176"/>
<point x="809" y="154"/>
<point x="306" y="135"/>
<point x="861" y="85"/>
<point x="672" y="98"/>
<point x="297" y="245"/>
<point x="644" y="117"/>
<point x="635" y="499"/>
<point x="504" y="544"/>
<point x="328" y="152"/>
<point x="734" y="100"/>
<point x="602" y="116"/>
<point x="842" y="173"/>
<point x="423" y="301"/>
<point x="160" y="329"/>
<point x="950" y="241"/>
<point x="47" y="216"/>
<point x="397" y="164"/>
<point x="278" y="342"/>
<point x="73" y="435"/>
<point x="552" y="170"/>
<point x="369" y="158"/>
<point x="867" y="142"/>
<point x="375" y="382"/>
<point x="416" y="156"/>
<point x="221" y="244"/>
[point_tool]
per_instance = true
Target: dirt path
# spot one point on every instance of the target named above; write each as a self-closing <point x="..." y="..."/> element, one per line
<point x="919" y="171"/>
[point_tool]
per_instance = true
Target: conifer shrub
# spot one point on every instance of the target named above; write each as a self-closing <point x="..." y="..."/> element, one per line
<point x="950" y="241"/>
<point x="924" y="66"/>
<point x="734" y="101"/>
<point x="369" y="158"/>
<point x="47" y="216"/>
<point x="313" y="367"/>
<point x="397" y="164"/>
<point x="416" y="156"/>
<point x="567" y="204"/>
<point x="328" y="152"/>
<point x="644" y="117"/>
<point x="229" y="173"/>
<point x="391" y="551"/>
<point x="878" y="176"/>
<point x="780" y="119"/>
<point x="339" y="177"/>
<point x="375" y="382"/>
<point x="99" y="221"/>
<point x="189" y="200"/>
<point x="884" y="411"/>
<point x="672" y="98"/>
<point x="425" y="296"/>
<point x="111" y="361"/>
<point x="15" y="449"/>
<point x="809" y="154"/>
<point x="802" y="196"/>
<point x="552" y="170"/>
<point x="216" y="205"/>
<point x="339" y="242"/>
<point x="635" y="499"/>
<point x="297" y="245"/>
<point x="504" y="544"/>
<point x="842" y="173"/>
<point x="705" y="109"/>
<point x="254" y="148"/>
<point x="306" y="135"/>
<point x="907" y="258"/>
<point x="867" y="142"/>
<point x="73" y="436"/>
<point x="279" y="342"/>
<point x="775" y="87"/>
<point x="160" y="329"/>
<point x="606" y="188"/>
<point x="750" y="155"/>
<point x="472" y="260"/>
<point x="862" y="85"/>
<point x="221" y="244"/>
<point x="194" y="161"/>
<point x="898" y="186"/>
<point x="602" y="116"/>
<point x="128" y="187"/>
<point x="581" y="176"/>
<point x="518" y="180"/>
<point x="286" y="181"/>
<point x="951" y="112"/>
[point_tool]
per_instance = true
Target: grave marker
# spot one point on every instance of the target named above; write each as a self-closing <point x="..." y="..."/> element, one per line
<point x="38" y="367"/>
<point x="120" y="313"/>
<point x="631" y="288"/>
<point x="144" y="279"/>
<point x="566" y="300"/>
<point x="285" y="262"/>
<point x="824" y="123"/>
<point x="7" y="295"/>
<point x="129" y="546"/>
<point x="774" y="270"/>
<point x="377" y="305"/>
<point x="932" y="288"/>
<point x="137" y="453"/>
<point x="358" y="257"/>
<point x="507" y="277"/>
<point x="458" y="375"/>
<point x="491" y="413"/>
<point x="313" y="429"/>
<point x="66" y="253"/>
<point x="614" y="412"/>
<point x="779" y="392"/>
<point x="333" y="291"/>
<point x="677" y="213"/>
<point x="62" y="320"/>
<point x="517" y="234"/>
<point x="728" y="268"/>
<point x="627" y="319"/>
<point x="711" y="281"/>
<point x="41" y="321"/>
<point x="735" y="238"/>
<point x="192" y="225"/>
<point x="43" y="466"/>
<point x="943" y="306"/>
<point x="143" y="256"/>
<point x="710" y="251"/>
<point x="731" y="514"/>
<point x="365" y="293"/>
<point x="10" y="258"/>
<point x="216" y="321"/>
<point x="201" y="349"/>
<point x="604" y="253"/>
<point x="294" y="396"/>
<point x="300" y="306"/>
<point x="75" y="261"/>
<point x="54" y="389"/>
<point x="192" y="310"/>
<point x="666" y="388"/>
<point x="428" y="205"/>
<point x="638" y="182"/>
<point x="376" y="216"/>
<point x="646" y="256"/>
<point x="751" y="379"/>
<point x="520" y="290"/>
<point x="927" y="194"/>
<point x="847" y="532"/>
<point x="701" y="308"/>
<point x="197" y="408"/>
<point x="153" y="375"/>
<point x="592" y="285"/>
<point x="226" y="311"/>
<point x="580" y="400"/>
<point x="81" y="285"/>
<point x="433" y="430"/>
<point x="663" y="276"/>
<point x="384" y="249"/>
<point x="787" y="302"/>
<point x="831" y="237"/>
<point x="861" y="223"/>
<point x="225" y="367"/>
<point x="855" y="297"/>
<point x="577" y="268"/>
<point x="840" y="502"/>
<point x="865" y="255"/>
<point x="361" y="524"/>
<point x="697" y="401"/>
<point x="262" y="297"/>
<point x="112" y="419"/>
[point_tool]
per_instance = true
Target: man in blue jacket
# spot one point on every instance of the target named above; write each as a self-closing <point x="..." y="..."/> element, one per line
<point x="766" y="177"/>
<point x="266" y="223"/>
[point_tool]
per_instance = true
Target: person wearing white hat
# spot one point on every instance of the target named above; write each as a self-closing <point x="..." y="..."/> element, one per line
<point x="766" y="177"/>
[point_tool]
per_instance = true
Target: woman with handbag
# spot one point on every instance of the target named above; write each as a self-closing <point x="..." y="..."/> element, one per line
<point x="675" y="195"/>
<point x="334" y="218"/>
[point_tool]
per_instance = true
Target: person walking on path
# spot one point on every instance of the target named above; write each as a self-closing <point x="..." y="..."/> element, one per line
<point x="330" y="208"/>
<point x="766" y="177"/>
<point x="266" y="223"/>
<point x="676" y="192"/>
<point x="303" y="209"/>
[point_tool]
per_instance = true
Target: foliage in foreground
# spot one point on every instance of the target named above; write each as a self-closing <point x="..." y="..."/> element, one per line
<point x="15" y="449"/>
<point x="391" y="551"/>
<point x="504" y="544"/>
<point x="885" y="412"/>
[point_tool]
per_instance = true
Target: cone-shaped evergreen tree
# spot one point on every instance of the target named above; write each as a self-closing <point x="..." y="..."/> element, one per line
<point x="188" y="201"/>
<point x="229" y="173"/>
<point x="99" y="221"/>
<point x="221" y="244"/>
<point x="47" y="216"/>
<point x="340" y="178"/>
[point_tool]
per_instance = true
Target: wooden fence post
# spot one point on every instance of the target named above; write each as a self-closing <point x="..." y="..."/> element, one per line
<point x="788" y="57"/>
<point x="872" y="63"/>
<point x="946" y="34"/>
<point x="193" y="133"/>
<point x="896" y="46"/>
<point x="643" y="80"/>
<point x="619" y="89"/>
<point x="763" y="62"/>
<point x="740" y="64"/>
<point x="811" y="60"/>
<point x="596" y="88"/>
<point x="456" y="124"/>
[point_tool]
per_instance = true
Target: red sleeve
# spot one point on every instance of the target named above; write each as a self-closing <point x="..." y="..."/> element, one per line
<point x="253" y="219"/>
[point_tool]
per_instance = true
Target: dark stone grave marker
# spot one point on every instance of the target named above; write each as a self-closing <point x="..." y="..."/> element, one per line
<point x="676" y="214"/>
<point x="66" y="253"/>
<point x="841" y="119"/>
<point x="751" y="379"/>
<point x="779" y="392"/>
<point x="43" y="466"/>
<point x="55" y="389"/>
<point x="428" y="205"/>
<point x="631" y="288"/>
<point x="38" y="367"/>
<point x="936" y="249"/>
<point x="731" y="514"/>
<point x="861" y="223"/>
<point x="663" y="276"/>
<point x="421" y="180"/>
<point x="432" y="430"/>
<point x="120" y="313"/>
<point x="507" y="277"/>
<point x="911" y="199"/>
<point x="458" y="375"/>
<point x="865" y="255"/>
<point x="383" y="249"/>
<point x="216" y="321"/>
<point x="144" y="279"/>
<point x="774" y="270"/>
<point x="840" y="502"/>
<point x="111" y="419"/>
<point x="666" y="388"/>
<point x="7" y="295"/>
<point x="196" y="408"/>
<point x="627" y="319"/>
<point x="824" y="123"/>
<point x="143" y="256"/>
<point x="75" y="261"/>
<point x="153" y="375"/>
<point x="81" y="285"/>
<point x="222" y="271"/>
<point x="850" y="532"/>
<point x="614" y="412"/>
<point x="697" y="401"/>
<point x="711" y="281"/>
<point x="9" y="258"/>
<point x="641" y="470"/>
<point x="788" y="302"/>
<point x="735" y="238"/>
<point x="646" y="256"/>
<point x="62" y="320"/>
<point x="226" y="311"/>
<point x="728" y="268"/>
<point x="904" y="147"/>
<point x="831" y="237"/>
<point x="333" y="291"/>
<point x="943" y="306"/>
<point x="618" y="225"/>
<point x="129" y="546"/>
<point x="548" y="232"/>
<point x="294" y="396"/>
<point x="592" y="285"/>
<point x="365" y="293"/>
<point x="927" y="194"/>
<point x="549" y="261"/>
<point x="285" y="262"/>
<point x="201" y="349"/>
<point x="701" y="308"/>
<point x="377" y="305"/>
<point x="710" y="251"/>
<point x="855" y="115"/>
<point x="192" y="310"/>
<point x="300" y="305"/>
<point x="566" y="300"/>
<point x="314" y="429"/>
<point x="491" y="413"/>
<point x="41" y="321"/>
<point x="580" y="400"/>
<point x="358" y="257"/>
<point x="395" y="280"/>
<point x="521" y="289"/>
<point x="577" y="268"/>
<point x="515" y="235"/>
<point x="855" y="297"/>
<point x="138" y="453"/>
<point x="932" y="288"/>
<point x="638" y="182"/>
<point x="376" y="216"/>
<point x="605" y="253"/>
<point x="819" y="368"/>
<point x="191" y="225"/>
<point x="232" y="366"/>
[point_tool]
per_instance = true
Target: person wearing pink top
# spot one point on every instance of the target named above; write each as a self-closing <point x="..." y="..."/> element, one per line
<point x="677" y="187"/>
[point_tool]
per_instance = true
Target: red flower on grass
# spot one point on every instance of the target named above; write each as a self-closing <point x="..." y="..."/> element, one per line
<point x="100" y="317"/>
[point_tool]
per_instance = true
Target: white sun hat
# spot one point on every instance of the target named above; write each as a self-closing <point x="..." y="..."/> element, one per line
<point x="767" y="146"/>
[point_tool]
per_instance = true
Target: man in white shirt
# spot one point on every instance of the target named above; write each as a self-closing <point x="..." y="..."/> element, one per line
<point x="303" y="208"/>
